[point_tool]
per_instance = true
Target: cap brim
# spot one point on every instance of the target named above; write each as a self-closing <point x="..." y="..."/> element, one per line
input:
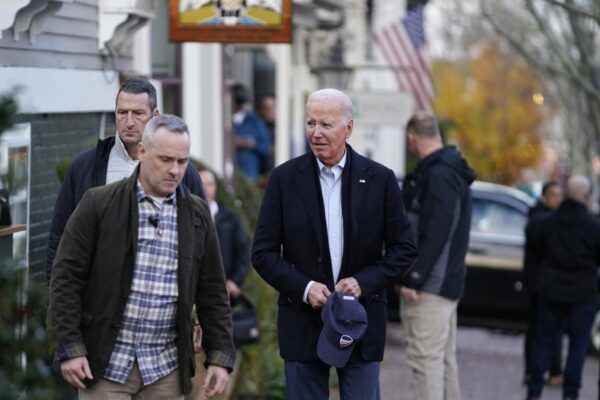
<point x="333" y="355"/>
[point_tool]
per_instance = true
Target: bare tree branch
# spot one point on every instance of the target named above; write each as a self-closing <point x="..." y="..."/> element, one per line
<point x="572" y="9"/>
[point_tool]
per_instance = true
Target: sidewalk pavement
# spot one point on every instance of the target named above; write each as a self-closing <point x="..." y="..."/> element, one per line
<point x="490" y="366"/>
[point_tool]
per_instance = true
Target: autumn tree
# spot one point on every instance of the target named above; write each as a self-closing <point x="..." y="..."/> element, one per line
<point x="487" y="109"/>
<point x="560" y="39"/>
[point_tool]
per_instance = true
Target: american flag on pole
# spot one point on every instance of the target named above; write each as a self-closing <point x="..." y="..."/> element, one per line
<point x="404" y="47"/>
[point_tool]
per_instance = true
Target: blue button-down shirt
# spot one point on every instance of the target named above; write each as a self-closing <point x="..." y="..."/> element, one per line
<point x="330" y="181"/>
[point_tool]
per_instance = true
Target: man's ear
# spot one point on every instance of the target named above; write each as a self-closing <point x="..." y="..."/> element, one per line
<point x="349" y="128"/>
<point x="141" y="150"/>
<point x="156" y="113"/>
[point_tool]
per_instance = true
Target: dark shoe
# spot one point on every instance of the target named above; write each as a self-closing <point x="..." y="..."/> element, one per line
<point x="555" y="380"/>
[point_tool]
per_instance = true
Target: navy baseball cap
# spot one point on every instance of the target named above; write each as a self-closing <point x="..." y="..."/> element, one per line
<point x="344" y="323"/>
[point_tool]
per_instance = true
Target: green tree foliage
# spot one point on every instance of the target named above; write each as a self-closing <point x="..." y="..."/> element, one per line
<point x="486" y="108"/>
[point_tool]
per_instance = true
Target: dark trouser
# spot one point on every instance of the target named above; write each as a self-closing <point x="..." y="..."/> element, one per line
<point x="552" y="317"/>
<point x="310" y="380"/>
<point x="556" y="357"/>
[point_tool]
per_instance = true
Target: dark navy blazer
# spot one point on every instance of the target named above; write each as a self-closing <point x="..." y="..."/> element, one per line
<point x="290" y="247"/>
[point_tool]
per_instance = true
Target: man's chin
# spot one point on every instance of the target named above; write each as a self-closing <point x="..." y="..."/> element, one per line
<point x="130" y="138"/>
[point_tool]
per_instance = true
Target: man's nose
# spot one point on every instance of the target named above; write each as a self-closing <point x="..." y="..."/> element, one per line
<point x="317" y="131"/>
<point x="174" y="168"/>
<point x="130" y="119"/>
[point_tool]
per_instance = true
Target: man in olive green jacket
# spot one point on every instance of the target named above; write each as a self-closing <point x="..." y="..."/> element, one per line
<point x="136" y="255"/>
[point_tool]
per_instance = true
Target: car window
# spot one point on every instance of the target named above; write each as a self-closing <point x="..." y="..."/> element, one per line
<point x="490" y="216"/>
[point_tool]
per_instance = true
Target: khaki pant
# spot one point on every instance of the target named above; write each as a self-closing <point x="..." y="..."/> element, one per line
<point x="168" y="387"/>
<point x="198" y="379"/>
<point x="429" y="325"/>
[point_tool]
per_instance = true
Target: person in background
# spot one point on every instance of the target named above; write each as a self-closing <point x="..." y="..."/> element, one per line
<point x="568" y="251"/>
<point x="235" y="251"/>
<point x="112" y="159"/>
<point x="135" y="257"/>
<point x="324" y="219"/>
<point x="438" y="200"/>
<point x="550" y="199"/>
<point x="233" y="240"/>
<point x="251" y="138"/>
<point x="267" y="113"/>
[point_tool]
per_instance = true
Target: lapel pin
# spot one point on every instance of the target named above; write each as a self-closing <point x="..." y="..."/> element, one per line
<point x="362" y="181"/>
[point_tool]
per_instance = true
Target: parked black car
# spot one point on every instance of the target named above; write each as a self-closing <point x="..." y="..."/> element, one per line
<point x="494" y="290"/>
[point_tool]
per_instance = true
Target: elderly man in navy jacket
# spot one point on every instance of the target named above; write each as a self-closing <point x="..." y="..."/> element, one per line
<point x="324" y="220"/>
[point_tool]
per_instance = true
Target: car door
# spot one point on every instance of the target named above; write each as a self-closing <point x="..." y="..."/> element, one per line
<point x="493" y="288"/>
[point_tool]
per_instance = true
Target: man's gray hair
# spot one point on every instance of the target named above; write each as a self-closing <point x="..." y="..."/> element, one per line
<point x="578" y="188"/>
<point x="423" y="125"/>
<point x="171" y="122"/>
<point x="340" y="97"/>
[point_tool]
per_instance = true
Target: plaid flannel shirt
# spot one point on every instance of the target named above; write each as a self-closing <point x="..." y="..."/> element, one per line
<point x="149" y="327"/>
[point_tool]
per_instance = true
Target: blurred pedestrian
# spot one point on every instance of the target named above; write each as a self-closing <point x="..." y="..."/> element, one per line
<point x="251" y="138"/>
<point x="324" y="220"/>
<point x="550" y="199"/>
<point x="568" y="248"/>
<point x="438" y="200"/>
<point x="267" y="113"/>
<point x="113" y="159"/>
<point x="135" y="256"/>
<point x="235" y="251"/>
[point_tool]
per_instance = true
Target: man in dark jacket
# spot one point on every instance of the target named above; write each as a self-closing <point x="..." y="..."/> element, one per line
<point x="323" y="222"/>
<point x="134" y="258"/>
<point x="113" y="159"/>
<point x="569" y="253"/>
<point x="549" y="201"/>
<point x="438" y="201"/>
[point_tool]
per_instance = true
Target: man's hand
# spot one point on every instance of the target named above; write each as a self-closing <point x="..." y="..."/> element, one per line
<point x="215" y="381"/>
<point x="197" y="338"/>
<point x="318" y="295"/>
<point x="233" y="289"/>
<point x="349" y="286"/>
<point x="407" y="294"/>
<point x="75" y="370"/>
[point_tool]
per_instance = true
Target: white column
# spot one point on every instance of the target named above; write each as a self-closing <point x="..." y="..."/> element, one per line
<point x="142" y="56"/>
<point x="202" y="81"/>
<point x="282" y="56"/>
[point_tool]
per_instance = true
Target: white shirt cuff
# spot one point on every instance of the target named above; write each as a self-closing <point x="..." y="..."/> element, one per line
<point x="305" y="297"/>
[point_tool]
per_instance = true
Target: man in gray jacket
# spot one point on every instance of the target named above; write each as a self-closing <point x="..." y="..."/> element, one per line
<point x="134" y="258"/>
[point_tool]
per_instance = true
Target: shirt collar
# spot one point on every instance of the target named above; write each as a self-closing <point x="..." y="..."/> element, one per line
<point x="214" y="208"/>
<point x="142" y="195"/>
<point x="120" y="149"/>
<point x="340" y="164"/>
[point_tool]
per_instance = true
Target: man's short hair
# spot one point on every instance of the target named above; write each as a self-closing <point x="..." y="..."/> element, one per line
<point x="172" y="122"/>
<point x="139" y="86"/>
<point x="578" y="188"/>
<point x="341" y="97"/>
<point x="423" y="125"/>
<point x="549" y="185"/>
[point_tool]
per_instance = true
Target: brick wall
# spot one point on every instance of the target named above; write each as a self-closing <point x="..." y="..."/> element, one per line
<point x="54" y="138"/>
